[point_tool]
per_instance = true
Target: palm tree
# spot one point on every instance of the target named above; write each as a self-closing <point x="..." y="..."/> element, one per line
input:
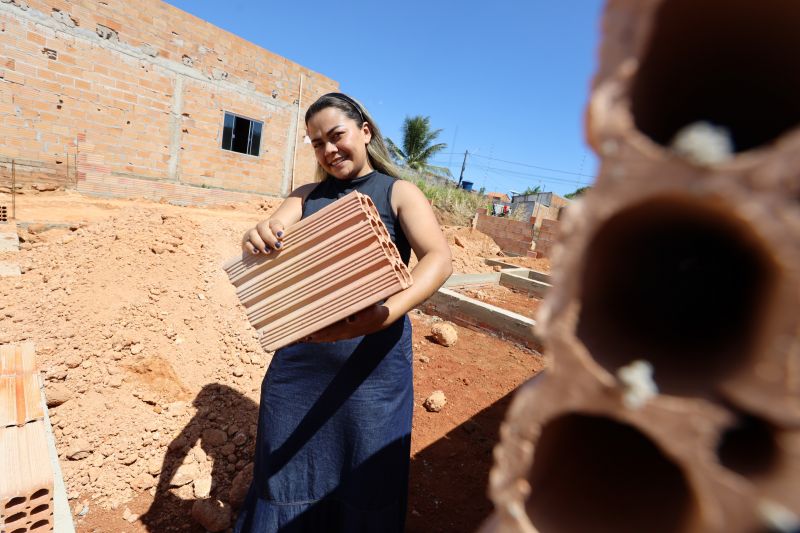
<point x="418" y="146"/>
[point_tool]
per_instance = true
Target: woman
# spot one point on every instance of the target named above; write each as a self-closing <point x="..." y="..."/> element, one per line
<point x="334" y="429"/>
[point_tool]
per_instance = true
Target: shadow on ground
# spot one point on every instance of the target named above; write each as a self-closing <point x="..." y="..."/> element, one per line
<point x="449" y="478"/>
<point x="222" y="410"/>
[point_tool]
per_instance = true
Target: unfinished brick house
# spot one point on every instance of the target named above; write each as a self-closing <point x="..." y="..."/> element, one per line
<point x="155" y="102"/>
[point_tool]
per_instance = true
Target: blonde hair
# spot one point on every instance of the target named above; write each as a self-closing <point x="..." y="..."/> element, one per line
<point x="377" y="153"/>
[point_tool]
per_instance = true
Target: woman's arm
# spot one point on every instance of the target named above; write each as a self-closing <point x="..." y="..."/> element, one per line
<point x="268" y="234"/>
<point x="432" y="270"/>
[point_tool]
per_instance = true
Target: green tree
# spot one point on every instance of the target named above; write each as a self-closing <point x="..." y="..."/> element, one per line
<point x="532" y="190"/>
<point x="577" y="193"/>
<point x="418" y="146"/>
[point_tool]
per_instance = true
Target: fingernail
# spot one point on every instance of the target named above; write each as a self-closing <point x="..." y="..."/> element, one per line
<point x="255" y="252"/>
<point x="267" y="251"/>
<point x="277" y="245"/>
<point x="279" y="234"/>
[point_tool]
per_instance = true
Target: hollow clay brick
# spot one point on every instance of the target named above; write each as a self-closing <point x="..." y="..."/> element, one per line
<point x="689" y="268"/>
<point x="26" y="482"/>
<point x="19" y="386"/>
<point x="333" y="264"/>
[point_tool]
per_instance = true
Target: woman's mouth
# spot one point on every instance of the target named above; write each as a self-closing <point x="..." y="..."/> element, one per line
<point x="336" y="163"/>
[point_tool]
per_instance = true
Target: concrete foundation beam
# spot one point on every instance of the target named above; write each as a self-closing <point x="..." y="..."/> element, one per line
<point x="471" y="313"/>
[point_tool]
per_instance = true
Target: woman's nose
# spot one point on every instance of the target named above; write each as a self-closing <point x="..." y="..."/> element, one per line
<point x="330" y="148"/>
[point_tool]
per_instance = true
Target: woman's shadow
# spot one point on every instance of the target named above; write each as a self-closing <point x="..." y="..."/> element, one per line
<point x="224" y="425"/>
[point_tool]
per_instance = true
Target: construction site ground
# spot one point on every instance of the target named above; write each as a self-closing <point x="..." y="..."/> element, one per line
<point x="141" y="336"/>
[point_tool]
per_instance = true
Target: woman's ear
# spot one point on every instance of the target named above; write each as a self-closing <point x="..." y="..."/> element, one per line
<point x="366" y="129"/>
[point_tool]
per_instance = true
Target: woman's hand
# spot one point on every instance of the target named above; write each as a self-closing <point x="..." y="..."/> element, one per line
<point x="364" y="322"/>
<point x="265" y="237"/>
<point x="268" y="234"/>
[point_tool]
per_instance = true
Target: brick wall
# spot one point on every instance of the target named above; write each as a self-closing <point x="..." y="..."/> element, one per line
<point x="512" y="236"/>
<point x="519" y="238"/>
<point x="146" y="85"/>
<point x="546" y="237"/>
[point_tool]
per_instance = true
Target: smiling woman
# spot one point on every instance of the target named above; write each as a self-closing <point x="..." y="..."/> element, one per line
<point x="335" y="417"/>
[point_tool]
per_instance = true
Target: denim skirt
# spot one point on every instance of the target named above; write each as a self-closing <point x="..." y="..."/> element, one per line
<point x="334" y="437"/>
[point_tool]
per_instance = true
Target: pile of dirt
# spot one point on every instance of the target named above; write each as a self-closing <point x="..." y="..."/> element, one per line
<point x="132" y="319"/>
<point x="144" y="344"/>
<point x="469" y="248"/>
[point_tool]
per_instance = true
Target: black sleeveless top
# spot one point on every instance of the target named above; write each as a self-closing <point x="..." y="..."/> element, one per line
<point x="375" y="185"/>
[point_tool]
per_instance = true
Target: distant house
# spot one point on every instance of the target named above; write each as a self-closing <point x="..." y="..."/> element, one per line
<point x="540" y="206"/>
<point x="498" y="197"/>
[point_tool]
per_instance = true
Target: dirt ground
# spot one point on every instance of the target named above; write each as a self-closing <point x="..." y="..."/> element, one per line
<point x="142" y="340"/>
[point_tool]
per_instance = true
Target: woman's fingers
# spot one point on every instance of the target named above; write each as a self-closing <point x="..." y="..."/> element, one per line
<point x="255" y="240"/>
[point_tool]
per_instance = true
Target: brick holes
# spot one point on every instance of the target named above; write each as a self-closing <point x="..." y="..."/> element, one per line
<point x="104" y="32"/>
<point x="40" y="509"/>
<point x="39" y="493"/>
<point x="13" y="502"/>
<point x="16" y="517"/>
<point x="41" y="524"/>
<point x="3" y="213"/>
<point x="51" y="54"/>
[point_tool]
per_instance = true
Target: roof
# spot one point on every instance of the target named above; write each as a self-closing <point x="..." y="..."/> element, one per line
<point x="499" y="195"/>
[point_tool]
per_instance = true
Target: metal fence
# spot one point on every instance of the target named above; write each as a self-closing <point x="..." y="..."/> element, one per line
<point x="18" y="174"/>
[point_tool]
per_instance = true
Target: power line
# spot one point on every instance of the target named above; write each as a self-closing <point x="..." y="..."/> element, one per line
<point x="528" y="165"/>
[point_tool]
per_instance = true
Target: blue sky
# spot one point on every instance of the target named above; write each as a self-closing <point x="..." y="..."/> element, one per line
<point x="507" y="80"/>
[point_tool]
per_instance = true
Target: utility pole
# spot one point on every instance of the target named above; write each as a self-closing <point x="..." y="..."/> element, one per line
<point x="463" y="166"/>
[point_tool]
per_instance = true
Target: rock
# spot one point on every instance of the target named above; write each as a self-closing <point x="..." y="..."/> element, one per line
<point x="459" y="242"/>
<point x="115" y="382"/>
<point x="79" y="449"/>
<point x="142" y="482"/>
<point x="214" y="437"/>
<point x="202" y="486"/>
<point x="46" y="187"/>
<point x="128" y="516"/>
<point x="154" y="466"/>
<point x="424" y="359"/>
<point x="240" y="439"/>
<point x="136" y="349"/>
<point x="444" y="334"/>
<point x="228" y="449"/>
<point x="35" y="229"/>
<point x="213" y="515"/>
<point x="238" y="371"/>
<point x="56" y="394"/>
<point x="73" y="360"/>
<point x="435" y="401"/>
<point x="184" y="475"/>
<point x="240" y="485"/>
<point x="157" y="249"/>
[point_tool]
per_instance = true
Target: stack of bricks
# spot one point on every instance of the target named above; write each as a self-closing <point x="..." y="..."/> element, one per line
<point x="26" y="478"/>
<point x="332" y="264"/>
<point x="512" y="236"/>
<point x="672" y="398"/>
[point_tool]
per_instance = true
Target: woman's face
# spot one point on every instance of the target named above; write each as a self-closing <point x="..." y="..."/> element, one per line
<point x="340" y="145"/>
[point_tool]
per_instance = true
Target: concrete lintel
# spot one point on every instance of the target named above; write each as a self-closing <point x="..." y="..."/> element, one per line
<point x="461" y="280"/>
<point x="536" y="288"/>
<point x="516" y="269"/>
<point x="9" y="270"/>
<point x="9" y="242"/>
<point x="468" y="312"/>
